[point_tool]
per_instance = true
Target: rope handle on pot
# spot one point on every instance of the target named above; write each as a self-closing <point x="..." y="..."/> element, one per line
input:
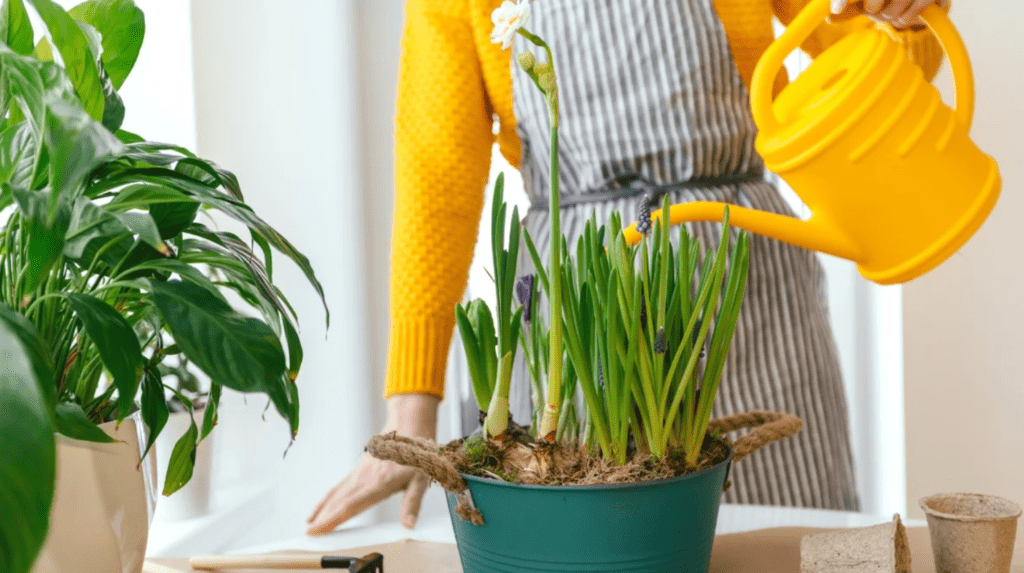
<point x="424" y="455"/>
<point x="767" y="427"/>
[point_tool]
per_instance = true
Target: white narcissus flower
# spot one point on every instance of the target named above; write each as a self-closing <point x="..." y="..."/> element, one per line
<point x="507" y="19"/>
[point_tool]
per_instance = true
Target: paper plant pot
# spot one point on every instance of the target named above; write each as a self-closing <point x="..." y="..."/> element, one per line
<point x="193" y="500"/>
<point x="655" y="526"/>
<point x="971" y="532"/>
<point x="103" y="504"/>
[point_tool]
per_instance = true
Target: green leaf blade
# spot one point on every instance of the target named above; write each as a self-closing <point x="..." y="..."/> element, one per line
<point x="116" y="342"/>
<point x="15" y="27"/>
<point x="182" y="460"/>
<point x="239" y="352"/>
<point x="28" y="463"/>
<point x="72" y="422"/>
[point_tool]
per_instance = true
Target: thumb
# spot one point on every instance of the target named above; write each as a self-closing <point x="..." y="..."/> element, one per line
<point x="413" y="499"/>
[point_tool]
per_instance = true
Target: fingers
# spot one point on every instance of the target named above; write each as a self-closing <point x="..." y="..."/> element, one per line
<point x="413" y="499"/>
<point x="371" y="482"/>
<point x="319" y="506"/>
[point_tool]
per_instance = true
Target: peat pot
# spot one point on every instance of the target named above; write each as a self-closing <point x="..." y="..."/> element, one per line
<point x="103" y="504"/>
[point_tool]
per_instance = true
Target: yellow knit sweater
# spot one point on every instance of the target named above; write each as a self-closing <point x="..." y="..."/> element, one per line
<point x="453" y="85"/>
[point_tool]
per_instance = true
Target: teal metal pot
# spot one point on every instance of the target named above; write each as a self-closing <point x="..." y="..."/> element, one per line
<point x="655" y="526"/>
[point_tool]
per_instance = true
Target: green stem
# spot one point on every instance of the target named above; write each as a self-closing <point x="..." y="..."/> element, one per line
<point x="549" y="424"/>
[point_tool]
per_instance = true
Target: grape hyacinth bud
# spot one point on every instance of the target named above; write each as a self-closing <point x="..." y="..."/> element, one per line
<point x="524" y="294"/>
<point x="660" y="346"/>
<point x="643" y="311"/>
<point x="600" y="375"/>
<point x="643" y="218"/>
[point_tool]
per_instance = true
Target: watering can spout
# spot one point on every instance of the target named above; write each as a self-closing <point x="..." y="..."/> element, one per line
<point x="813" y="234"/>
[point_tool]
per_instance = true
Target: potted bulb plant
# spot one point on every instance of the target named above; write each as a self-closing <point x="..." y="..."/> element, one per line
<point x="632" y="480"/>
<point x="109" y="265"/>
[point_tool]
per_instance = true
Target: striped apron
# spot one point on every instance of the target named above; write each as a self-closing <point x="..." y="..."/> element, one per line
<point x="650" y="94"/>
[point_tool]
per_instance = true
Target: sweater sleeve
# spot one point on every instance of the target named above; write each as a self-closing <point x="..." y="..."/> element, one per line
<point x="921" y="45"/>
<point x="442" y="155"/>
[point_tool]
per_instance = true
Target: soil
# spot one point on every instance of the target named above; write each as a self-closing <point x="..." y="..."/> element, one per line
<point x="540" y="463"/>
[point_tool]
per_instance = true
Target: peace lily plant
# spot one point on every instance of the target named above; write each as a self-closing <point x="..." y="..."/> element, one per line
<point x="109" y="265"/>
<point x="642" y="330"/>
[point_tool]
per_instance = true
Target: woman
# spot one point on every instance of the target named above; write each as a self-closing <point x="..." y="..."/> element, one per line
<point x="653" y="93"/>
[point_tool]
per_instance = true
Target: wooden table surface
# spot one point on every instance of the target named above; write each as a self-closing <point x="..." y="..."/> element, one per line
<point x="775" y="550"/>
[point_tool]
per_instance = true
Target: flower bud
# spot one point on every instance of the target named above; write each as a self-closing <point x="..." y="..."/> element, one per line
<point x="643" y="218"/>
<point x="526" y="61"/>
<point x="660" y="346"/>
<point x="546" y="80"/>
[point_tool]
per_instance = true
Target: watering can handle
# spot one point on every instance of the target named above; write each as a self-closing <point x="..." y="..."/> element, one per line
<point x="811" y="17"/>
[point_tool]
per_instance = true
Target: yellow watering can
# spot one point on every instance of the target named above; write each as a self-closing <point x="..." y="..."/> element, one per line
<point x="889" y="172"/>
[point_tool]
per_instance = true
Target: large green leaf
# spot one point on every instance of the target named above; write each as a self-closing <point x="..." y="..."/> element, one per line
<point x="15" y="27"/>
<point x="116" y="342"/>
<point x="28" y="458"/>
<point x="154" y="406"/>
<point x="239" y="352"/>
<point x="122" y="26"/>
<point x="77" y="145"/>
<point x="73" y="46"/>
<point x="113" y="106"/>
<point x="45" y="234"/>
<point x="91" y="227"/>
<point x="182" y="460"/>
<point x="73" y="423"/>
<point x="144" y="195"/>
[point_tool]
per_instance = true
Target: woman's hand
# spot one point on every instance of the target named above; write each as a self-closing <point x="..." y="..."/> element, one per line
<point x="902" y="14"/>
<point x="373" y="480"/>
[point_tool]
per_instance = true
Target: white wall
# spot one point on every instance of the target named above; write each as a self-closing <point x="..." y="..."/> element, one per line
<point x="964" y="341"/>
<point x="276" y="102"/>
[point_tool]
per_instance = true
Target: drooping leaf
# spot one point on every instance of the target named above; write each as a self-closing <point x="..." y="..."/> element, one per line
<point x="144" y="195"/>
<point x="128" y="137"/>
<point x="28" y="460"/>
<point x="73" y="423"/>
<point x="182" y="460"/>
<point x="239" y="352"/>
<point x="45" y="234"/>
<point x="154" y="407"/>
<point x="240" y="212"/>
<point x="241" y="252"/>
<point x="15" y="27"/>
<point x="122" y="26"/>
<point x="143" y="225"/>
<point x="174" y="217"/>
<point x="210" y="415"/>
<point x="76" y="54"/>
<point x="116" y="342"/>
<point x="294" y="347"/>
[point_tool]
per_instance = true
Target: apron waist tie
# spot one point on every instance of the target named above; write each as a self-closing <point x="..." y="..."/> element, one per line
<point x="632" y="184"/>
